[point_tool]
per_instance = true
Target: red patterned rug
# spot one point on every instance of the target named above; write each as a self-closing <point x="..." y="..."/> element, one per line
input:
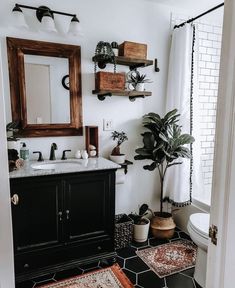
<point x="111" y="277"/>
<point x="170" y="258"/>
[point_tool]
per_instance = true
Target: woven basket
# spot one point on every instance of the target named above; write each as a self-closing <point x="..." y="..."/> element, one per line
<point x="123" y="231"/>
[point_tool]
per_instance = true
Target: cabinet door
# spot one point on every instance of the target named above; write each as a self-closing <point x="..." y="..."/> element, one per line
<point x="89" y="206"/>
<point x="36" y="218"/>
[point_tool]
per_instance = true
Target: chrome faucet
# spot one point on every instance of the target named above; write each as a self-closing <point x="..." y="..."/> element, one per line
<point x="52" y="153"/>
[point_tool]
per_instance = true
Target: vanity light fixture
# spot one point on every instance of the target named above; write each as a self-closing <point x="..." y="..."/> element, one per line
<point x="46" y="16"/>
<point x="19" y="17"/>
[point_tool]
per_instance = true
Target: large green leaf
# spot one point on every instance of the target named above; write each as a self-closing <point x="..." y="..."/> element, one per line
<point x="150" y="167"/>
<point x="149" y="140"/>
<point x="144" y="151"/>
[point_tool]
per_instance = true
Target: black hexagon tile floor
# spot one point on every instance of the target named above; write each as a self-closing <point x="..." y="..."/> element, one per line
<point x="135" y="269"/>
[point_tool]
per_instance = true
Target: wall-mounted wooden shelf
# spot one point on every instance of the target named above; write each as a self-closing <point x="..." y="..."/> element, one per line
<point x="121" y="60"/>
<point x="102" y="94"/>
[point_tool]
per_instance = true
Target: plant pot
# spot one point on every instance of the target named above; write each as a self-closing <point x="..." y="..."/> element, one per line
<point x="119" y="159"/>
<point x="14" y="145"/>
<point x="141" y="230"/>
<point x="139" y="87"/>
<point x="162" y="225"/>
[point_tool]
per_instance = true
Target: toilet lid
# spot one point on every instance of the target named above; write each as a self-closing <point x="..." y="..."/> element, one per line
<point x="200" y="223"/>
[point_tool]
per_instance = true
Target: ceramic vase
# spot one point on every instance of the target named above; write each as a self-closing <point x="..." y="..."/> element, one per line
<point x="139" y="87"/>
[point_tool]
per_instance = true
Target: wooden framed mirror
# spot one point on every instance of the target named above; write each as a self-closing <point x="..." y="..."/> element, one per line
<point x="39" y="100"/>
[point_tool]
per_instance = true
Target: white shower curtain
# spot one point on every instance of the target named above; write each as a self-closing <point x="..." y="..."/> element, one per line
<point x="177" y="183"/>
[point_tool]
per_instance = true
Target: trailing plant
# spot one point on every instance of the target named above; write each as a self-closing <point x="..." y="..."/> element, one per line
<point x="164" y="144"/>
<point x="104" y="54"/>
<point x="120" y="137"/>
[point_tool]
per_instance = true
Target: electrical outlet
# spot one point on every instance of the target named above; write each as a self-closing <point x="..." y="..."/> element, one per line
<point x="107" y="124"/>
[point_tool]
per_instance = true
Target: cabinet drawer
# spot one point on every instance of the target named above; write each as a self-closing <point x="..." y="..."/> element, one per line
<point x="91" y="249"/>
<point x="28" y="262"/>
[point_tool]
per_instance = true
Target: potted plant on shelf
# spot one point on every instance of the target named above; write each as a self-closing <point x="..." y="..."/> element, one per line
<point x="12" y="140"/>
<point x="164" y="143"/>
<point x="137" y="81"/>
<point x="141" y="224"/>
<point x="116" y="155"/>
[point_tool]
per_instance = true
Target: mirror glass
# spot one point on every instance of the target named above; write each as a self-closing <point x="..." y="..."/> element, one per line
<point x="48" y="102"/>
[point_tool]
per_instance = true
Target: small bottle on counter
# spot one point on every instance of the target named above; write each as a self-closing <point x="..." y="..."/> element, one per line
<point x="24" y="152"/>
<point x="78" y="154"/>
<point x="84" y="154"/>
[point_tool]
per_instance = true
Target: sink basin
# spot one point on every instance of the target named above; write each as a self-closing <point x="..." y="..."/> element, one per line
<point x="56" y="165"/>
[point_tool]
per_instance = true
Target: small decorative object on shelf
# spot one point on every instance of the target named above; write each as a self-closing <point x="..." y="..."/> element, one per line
<point x="114" y="46"/>
<point x="136" y="80"/>
<point x="133" y="50"/>
<point x="92" y="141"/>
<point x="116" y="156"/>
<point x="104" y="54"/>
<point x="109" y="81"/>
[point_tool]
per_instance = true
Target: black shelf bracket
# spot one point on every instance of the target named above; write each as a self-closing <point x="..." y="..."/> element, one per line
<point x="125" y="165"/>
<point x="132" y="98"/>
<point x="102" y="97"/>
<point x="135" y="66"/>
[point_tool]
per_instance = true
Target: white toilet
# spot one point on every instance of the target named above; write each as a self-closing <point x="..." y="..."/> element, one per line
<point x="198" y="228"/>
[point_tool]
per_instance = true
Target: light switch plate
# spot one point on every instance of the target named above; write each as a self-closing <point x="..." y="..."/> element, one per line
<point x="107" y="124"/>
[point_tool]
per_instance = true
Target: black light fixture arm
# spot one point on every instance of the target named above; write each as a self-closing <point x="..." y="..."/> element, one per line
<point x="45" y="9"/>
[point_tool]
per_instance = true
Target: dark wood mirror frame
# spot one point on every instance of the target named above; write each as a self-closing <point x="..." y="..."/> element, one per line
<point x="17" y="48"/>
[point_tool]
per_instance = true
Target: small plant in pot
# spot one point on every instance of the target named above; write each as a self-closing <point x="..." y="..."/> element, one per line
<point x="164" y="144"/>
<point x="137" y="81"/>
<point x="141" y="224"/>
<point x="116" y="155"/>
<point x="12" y="140"/>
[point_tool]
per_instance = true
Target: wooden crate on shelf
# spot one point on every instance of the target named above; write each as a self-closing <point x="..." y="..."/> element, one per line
<point x="109" y="81"/>
<point x="92" y="139"/>
<point x="133" y="50"/>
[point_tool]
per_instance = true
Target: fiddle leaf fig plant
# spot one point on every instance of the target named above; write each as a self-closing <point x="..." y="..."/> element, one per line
<point x="164" y="144"/>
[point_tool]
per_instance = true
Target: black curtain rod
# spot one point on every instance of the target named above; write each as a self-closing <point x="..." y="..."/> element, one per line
<point x="195" y="18"/>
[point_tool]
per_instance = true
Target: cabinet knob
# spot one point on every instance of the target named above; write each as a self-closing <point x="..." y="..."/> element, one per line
<point x="15" y="199"/>
<point x="26" y="265"/>
<point x="67" y="214"/>
<point x="99" y="248"/>
<point x="60" y="215"/>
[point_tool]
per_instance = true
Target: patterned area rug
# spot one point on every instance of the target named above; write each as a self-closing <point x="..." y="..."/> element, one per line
<point x="111" y="277"/>
<point x="170" y="258"/>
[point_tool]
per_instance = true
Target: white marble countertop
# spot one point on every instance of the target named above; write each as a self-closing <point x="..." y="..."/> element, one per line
<point x="71" y="166"/>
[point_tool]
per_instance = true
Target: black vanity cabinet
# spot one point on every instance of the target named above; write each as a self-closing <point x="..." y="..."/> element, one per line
<point x="62" y="220"/>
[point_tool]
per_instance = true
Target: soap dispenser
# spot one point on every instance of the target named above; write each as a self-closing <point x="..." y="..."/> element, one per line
<point x="24" y="152"/>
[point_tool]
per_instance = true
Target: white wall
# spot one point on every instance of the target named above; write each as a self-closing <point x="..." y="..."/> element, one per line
<point x="107" y="20"/>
